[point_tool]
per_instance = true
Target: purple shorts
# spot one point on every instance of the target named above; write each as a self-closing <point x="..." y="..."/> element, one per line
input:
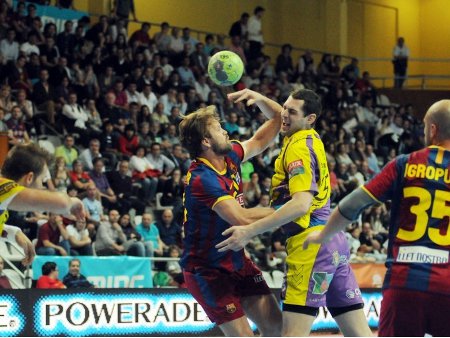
<point x="320" y="275"/>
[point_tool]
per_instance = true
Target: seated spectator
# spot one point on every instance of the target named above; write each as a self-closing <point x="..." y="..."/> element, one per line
<point x="79" y="239"/>
<point x="173" y="267"/>
<point x="173" y="190"/>
<point x="43" y="93"/>
<point x="169" y="230"/>
<point x="368" y="242"/>
<point x="93" y="207"/>
<point x="80" y="178"/>
<point x="252" y="190"/>
<point x="180" y="158"/>
<point x="109" y="143"/>
<point x="150" y="235"/>
<point x="145" y="138"/>
<point x="134" y="244"/>
<point x="89" y="154"/>
<point x="352" y="235"/>
<point x="17" y="130"/>
<point x="110" y="236"/>
<point x="74" y="279"/>
<point x="4" y="281"/>
<point x="75" y="119"/>
<point x="121" y="184"/>
<point x="49" y="278"/>
<point x="67" y="150"/>
<point x="144" y="173"/>
<point x="107" y="195"/>
<point x="129" y="141"/>
<point x="160" y="162"/>
<point x="48" y="240"/>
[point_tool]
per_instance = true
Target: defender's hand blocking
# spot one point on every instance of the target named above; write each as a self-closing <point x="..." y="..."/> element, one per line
<point x="245" y="94"/>
<point x="239" y="238"/>
<point x="313" y="238"/>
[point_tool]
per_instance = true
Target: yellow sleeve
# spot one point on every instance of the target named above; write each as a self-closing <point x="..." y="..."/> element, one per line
<point x="8" y="189"/>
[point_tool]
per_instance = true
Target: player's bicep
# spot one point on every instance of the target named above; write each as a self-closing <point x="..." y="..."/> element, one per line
<point x="231" y="211"/>
<point x="380" y="188"/>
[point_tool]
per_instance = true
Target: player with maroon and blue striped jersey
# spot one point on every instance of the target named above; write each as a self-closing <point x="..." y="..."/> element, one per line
<point x="416" y="290"/>
<point x="228" y="286"/>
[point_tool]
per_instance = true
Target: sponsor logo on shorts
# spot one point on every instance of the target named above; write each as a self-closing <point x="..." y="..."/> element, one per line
<point x="338" y="259"/>
<point x="350" y="294"/>
<point x="322" y="282"/>
<point x="231" y="308"/>
<point x="296" y="168"/>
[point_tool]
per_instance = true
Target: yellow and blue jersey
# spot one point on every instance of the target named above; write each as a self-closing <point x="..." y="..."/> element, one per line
<point x="302" y="166"/>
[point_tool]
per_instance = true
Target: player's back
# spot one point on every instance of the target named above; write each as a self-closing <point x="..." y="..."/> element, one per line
<point x="419" y="247"/>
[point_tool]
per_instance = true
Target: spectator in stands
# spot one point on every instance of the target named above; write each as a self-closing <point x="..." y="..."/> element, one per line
<point x="159" y="81"/>
<point x="79" y="239"/>
<point x="400" y="61"/>
<point x="74" y="279"/>
<point x="150" y="235"/>
<point x="25" y="105"/>
<point x="180" y="158"/>
<point x="9" y="47"/>
<point x="134" y="244"/>
<point x="89" y="154"/>
<point x="109" y="143"/>
<point x="368" y="242"/>
<point x="17" y="131"/>
<point x="239" y="28"/>
<point x="159" y="161"/>
<point x="30" y="46"/>
<point x="79" y="177"/>
<point x="123" y="8"/>
<point x="252" y="190"/>
<point x="4" y="281"/>
<point x="255" y="36"/>
<point x="66" y="40"/>
<point x="49" y="243"/>
<point x="76" y="118"/>
<point x="284" y="61"/>
<point x="170" y="137"/>
<point x="43" y="97"/>
<point x="169" y="230"/>
<point x="67" y="150"/>
<point x="94" y="208"/>
<point x="350" y="72"/>
<point x="278" y="242"/>
<point x="49" y="278"/>
<point x="60" y="175"/>
<point x="186" y="74"/>
<point x="199" y="60"/>
<point x="145" y="138"/>
<point x="121" y="184"/>
<point x="107" y="195"/>
<point x="148" y="98"/>
<point x="141" y="36"/>
<point x="145" y="173"/>
<point x="129" y="141"/>
<point x="162" y="38"/>
<point x="110" y="236"/>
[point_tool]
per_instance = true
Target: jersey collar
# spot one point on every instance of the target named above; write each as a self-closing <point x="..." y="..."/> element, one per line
<point x="209" y="164"/>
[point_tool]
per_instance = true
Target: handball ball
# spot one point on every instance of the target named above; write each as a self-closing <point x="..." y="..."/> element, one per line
<point x="225" y="68"/>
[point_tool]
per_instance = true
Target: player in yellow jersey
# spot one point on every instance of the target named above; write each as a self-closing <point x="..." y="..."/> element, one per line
<point x="319" y="275"/>
<point x="21" y="188"/>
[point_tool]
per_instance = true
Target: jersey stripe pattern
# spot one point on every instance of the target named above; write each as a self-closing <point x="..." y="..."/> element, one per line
<point x="205" y="187"/>
<point x="419" y="236"/>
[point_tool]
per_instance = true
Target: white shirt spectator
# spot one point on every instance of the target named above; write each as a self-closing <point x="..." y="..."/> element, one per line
<point x="202" y="90"/>
<point x="254" y="28"/>
<point x="401" y="51"/>
<point x="78" y="235"/>
<point x="150" y="101"/>
<point x="161" y="163"/>
<point x="86" y="158"/>
<point x="77" y="113"/>
<point x="27" y="48"/>
<point x="10" y="51"/>
<point x="133" y="97"/>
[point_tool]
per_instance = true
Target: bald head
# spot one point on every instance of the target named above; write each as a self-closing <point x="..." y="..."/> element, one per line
<point x="437" y="123"/>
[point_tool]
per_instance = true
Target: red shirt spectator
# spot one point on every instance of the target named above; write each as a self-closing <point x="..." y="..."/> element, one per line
<point x="129" y="142"/>
<point x="46" y="282"/>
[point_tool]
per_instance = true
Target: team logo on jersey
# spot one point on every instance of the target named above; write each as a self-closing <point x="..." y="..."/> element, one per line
<point x="296" y="168"/>
<point x="322" y="282"/>
<point x="338" y="259"/>
<point x="240" y="199"/>
<point x="231" y="308"/>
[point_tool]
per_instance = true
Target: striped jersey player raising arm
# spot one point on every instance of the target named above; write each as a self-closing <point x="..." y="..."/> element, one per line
<point x="228" y="285"/>
<point x="22" y="175"/>
<point x="320" y="275"/>
<point x="416" y="290"/>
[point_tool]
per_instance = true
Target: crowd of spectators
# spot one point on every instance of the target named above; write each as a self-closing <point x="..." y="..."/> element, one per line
<point x="115" y="99"/>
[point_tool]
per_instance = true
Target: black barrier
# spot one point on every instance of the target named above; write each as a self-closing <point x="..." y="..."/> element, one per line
<point x="123" y="312"/>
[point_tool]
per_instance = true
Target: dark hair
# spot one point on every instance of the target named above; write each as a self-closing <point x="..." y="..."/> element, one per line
<point x="48" y="267"/>
<point x="313" y="104"/>
<point x="23" y="159"/>
<point x="258" y="9"/>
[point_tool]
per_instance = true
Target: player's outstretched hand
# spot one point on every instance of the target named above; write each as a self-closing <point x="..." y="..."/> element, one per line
<point x="246" y="94"/>
<point x="77" y="209"/>
<point x="27" y="246"/>
<point x="314" y="237"/>
<point x="239" y="238"/>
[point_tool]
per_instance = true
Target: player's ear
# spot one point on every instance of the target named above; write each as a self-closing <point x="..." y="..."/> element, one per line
<point x="311" y="118"/>
<point x="206" y="143"/>
<point x="433" y="130"/>
<point x="28" y="179"/>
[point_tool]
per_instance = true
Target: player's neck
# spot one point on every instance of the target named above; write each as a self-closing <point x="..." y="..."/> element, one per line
<point x="216" y="161"/>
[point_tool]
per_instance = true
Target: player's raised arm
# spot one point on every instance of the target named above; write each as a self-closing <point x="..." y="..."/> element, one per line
<point x="232" y="212"/>
<point x="267" y="132"/>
